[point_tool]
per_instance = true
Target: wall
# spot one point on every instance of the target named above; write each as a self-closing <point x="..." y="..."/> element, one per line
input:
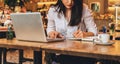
<point x="32" y="5"/>
<point x="112" y="2"/>
<point x="103" y="4"/>
<point x="1" y="3"/>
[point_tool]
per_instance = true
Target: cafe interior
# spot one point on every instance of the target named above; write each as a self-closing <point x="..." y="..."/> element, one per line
<point x="106" y="14"/>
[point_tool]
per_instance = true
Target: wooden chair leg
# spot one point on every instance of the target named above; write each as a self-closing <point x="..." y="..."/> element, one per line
<point x="20" y="56"/>
<point x="37" y="57"/>
<point x="43" y="57"/>
<point x="0" y="55"/>
<point x="4" y="56"/>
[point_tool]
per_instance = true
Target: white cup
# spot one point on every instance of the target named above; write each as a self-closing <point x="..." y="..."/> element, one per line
<point x="104" y="38"/>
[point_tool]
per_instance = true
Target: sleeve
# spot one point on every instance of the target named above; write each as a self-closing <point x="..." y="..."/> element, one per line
<point x="51" y="22"/>
<point x="88" y="20"/>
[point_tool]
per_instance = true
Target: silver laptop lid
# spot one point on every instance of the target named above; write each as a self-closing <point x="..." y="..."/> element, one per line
<point x="28" y="26"/>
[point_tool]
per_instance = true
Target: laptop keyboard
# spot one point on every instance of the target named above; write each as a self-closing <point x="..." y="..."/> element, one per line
<point x="56" y="39"/>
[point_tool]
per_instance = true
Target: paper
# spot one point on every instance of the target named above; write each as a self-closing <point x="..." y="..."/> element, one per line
<point x="84" y="39"/>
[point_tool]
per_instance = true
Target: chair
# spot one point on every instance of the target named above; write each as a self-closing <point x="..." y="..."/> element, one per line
<point x="1" y="55"/>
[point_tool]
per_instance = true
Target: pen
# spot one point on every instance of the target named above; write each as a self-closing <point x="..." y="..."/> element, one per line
<point x="78" y="28"/>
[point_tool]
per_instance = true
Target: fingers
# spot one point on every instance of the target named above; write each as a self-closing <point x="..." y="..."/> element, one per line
<point x="52" y="34"/>
<point x="55" y="34"/>
<point x="60" y="36"/>
<point x="78" y="34"/>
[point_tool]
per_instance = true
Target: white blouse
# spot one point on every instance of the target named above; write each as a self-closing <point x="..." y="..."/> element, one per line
<point x="58" y="22"/>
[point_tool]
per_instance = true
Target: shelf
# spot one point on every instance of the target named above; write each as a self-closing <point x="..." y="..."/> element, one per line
<point x="47" y="3"/>
<point x="42" y="10"/>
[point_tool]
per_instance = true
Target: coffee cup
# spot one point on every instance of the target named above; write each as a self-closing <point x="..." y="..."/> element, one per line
<point x="104" y="38"/>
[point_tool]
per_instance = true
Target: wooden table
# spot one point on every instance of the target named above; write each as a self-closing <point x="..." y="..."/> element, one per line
<point x="116" y="35"/>
<point x="85" y="49"/>
<point x="20" y="44"/>
<point x="4" y="43"/>
<point x="76" y="48"/>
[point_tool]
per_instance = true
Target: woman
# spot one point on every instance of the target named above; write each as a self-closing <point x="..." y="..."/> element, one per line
<point x="70" y="18"/>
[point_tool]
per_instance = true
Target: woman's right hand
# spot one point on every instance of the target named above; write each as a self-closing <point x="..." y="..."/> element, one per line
<point x="78" y="34"/>
<point x="55" y="34"/>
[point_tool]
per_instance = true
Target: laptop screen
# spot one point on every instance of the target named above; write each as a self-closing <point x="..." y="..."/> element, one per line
<point x="28" y="26"/>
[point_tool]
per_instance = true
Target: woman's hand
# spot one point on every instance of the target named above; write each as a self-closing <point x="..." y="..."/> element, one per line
<point x="55" y="34"/>
<point x="80" y="34"/>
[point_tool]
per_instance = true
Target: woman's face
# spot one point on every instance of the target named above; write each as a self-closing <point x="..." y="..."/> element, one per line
<point x="68" y="3"/>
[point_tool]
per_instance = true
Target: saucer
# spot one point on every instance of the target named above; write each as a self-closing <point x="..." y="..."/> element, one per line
<point x="100" y="43"/>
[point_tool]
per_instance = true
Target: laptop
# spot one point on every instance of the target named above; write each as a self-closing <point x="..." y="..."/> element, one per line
<point x="29" y="27"/>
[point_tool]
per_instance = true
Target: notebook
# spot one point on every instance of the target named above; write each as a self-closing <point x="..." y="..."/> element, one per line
<point x="29" y="27"/>
<point x="84" y="39"/>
